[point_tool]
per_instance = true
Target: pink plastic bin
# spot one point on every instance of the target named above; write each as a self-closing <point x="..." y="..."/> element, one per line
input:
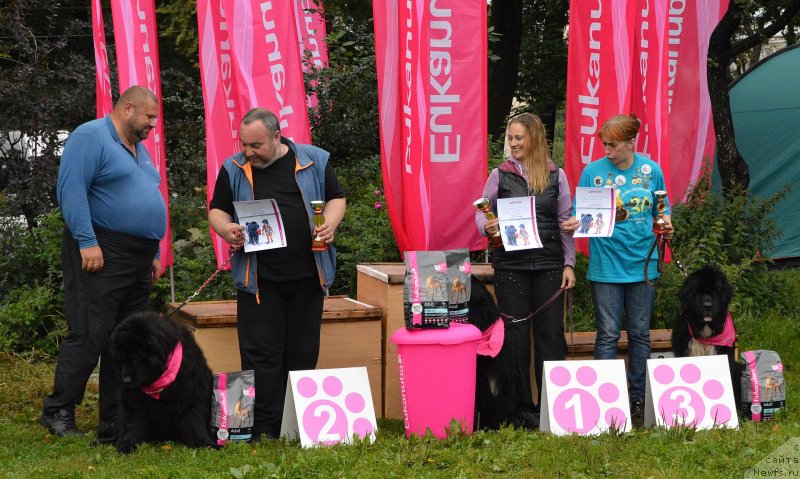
<point x="437" y="377"/>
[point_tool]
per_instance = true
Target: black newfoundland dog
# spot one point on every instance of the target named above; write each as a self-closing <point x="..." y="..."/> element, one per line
<point x="703" y="325"/>
<point x="166" y="383"/>
<point x="494" y="398"/>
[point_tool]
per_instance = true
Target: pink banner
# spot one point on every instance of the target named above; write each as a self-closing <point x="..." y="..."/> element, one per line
<point x="310" y="21"/>
<point x="649" y="100"/>
<point x="102" y="74"/>
<point x="221" y="99"/>
<point x="266" y="62"/>
<point x="689" y="27"/>
<point x="599" y="74"/>
<point x="432" y="98"/>
<point x="600" y="51"/>
<point x="646" y="57"/>
<point x="137" y="62"/>
<point x="387" y="60"/>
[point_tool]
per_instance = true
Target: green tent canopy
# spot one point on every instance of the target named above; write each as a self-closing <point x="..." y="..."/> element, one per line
<point x="765" y="103"/>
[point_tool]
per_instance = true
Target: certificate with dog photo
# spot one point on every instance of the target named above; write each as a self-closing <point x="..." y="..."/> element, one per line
<point x="595" y="210"/>
<point x="518" y="223"/>
<point x="263" y="226"/>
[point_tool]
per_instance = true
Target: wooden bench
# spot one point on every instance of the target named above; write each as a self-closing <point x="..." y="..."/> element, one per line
<point x="581" y="345"/>
<point x="350" y="337"/>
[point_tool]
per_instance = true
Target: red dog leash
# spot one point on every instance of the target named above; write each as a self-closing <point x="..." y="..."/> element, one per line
<point x="231" y="252"/>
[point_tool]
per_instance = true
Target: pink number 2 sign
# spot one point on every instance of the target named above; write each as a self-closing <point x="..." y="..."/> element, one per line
<point x="328" y="406"/>
<point x="584" y="397"/>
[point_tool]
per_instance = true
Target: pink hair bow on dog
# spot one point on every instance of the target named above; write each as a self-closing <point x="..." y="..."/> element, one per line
<point x="491" y="341"/>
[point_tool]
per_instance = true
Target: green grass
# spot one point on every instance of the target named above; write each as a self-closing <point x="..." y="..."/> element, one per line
<point x="27" y="451"/>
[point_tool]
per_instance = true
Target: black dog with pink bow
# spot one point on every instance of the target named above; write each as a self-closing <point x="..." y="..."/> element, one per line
<point x="703" y="325"/>
<point x="494" y="381"/>
<point x="166" y="383"/>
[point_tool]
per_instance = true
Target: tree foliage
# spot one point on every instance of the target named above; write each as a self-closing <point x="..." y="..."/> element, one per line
<point x="46" y="85"/>
<point x="531" y="63"/>
<point x="184" y="123"/>
<point x="746" y="25"/>
<point x="505" y="20"/>
<point x="345" y="119"/>
<point x="732" y="232"/>
<point x="178" y="23"/>
<point x="543" y="60"/>
<point x="31" y="297"/>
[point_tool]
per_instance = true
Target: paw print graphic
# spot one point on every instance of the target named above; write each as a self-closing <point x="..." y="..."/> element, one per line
<point x="332" y="411"/>
<point x="584" y="404"/>
<point x="689" y="399"/>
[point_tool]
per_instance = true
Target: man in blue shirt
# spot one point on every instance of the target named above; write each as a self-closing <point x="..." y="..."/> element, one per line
<point x="114" y="218"/>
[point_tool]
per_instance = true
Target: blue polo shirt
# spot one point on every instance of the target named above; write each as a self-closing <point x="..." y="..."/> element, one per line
<point x="100" y="182"/>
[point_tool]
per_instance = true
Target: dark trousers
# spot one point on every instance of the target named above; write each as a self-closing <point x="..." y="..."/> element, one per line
<point x="520" y="293"/>
<point x="279" y="335"/>
<point x="95" y="303"/>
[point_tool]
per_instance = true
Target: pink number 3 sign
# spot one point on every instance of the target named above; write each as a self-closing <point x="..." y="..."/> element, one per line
<point x="693" y="392"/>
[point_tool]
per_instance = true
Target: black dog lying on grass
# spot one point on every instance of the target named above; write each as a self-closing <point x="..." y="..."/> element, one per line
<point x="494" y="394"/>
<point x="703" y="326"/>
<point x="166" y="384"/>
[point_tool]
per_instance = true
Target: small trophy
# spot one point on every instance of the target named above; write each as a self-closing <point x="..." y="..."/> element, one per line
<point x="495" y="241"/>
<point x="316" y="243"/>
<point x="661" y="207"/>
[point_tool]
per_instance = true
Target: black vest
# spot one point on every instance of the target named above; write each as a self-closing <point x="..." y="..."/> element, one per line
<point x="551" y="256"/>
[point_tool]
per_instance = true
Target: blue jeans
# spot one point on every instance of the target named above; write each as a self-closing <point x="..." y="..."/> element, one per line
<point x="610" y="301"/>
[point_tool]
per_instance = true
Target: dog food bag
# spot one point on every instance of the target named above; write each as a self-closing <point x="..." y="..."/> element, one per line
<point x="425" y="290"/>
<point x="459" y="271"/>
<point x="763" y="389"/>
<point x="232" y="406"/>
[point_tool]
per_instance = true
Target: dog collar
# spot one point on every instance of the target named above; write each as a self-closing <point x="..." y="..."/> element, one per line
<point x="726" y="338"/>
<point x="173" y="365"/>
<point x="491" y="341"/>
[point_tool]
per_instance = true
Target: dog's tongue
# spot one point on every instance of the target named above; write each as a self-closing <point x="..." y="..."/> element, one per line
<point x="707" y="319"/>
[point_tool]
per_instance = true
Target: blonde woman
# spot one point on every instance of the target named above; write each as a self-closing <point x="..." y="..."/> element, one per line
<point x="524" y="280"/>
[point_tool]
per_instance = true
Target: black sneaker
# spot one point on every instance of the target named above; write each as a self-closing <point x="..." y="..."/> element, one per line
<point x="106" y="434"/>
<point x="637" y="410"/>
<point x="528" y="420"/>
<point x="60" y="424"/>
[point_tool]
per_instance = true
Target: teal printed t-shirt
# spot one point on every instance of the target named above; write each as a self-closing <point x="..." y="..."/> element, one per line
<point x="621" y="258"/>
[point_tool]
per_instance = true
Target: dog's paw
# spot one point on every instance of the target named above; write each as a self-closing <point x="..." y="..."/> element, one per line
<point x="125" y="447"/>
<point x="527" y="420"/>
<point x="198" y="444"/>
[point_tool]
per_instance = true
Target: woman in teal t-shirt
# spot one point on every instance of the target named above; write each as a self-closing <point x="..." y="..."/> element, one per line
<point x="616" y="264"/>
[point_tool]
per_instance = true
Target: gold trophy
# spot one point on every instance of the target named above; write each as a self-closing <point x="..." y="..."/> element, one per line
<point x="316" y="243"/>
<point x="495" y="241"/>
<point x="661" y="207"/>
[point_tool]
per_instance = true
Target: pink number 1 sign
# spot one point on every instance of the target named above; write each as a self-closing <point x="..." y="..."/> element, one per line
<point x="584" y="397"/>
<point x="328" y="406"/>
<point x="693" y="392"/>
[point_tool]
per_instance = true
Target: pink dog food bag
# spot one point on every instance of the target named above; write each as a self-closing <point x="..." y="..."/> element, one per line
<point x="232" y="406"/>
